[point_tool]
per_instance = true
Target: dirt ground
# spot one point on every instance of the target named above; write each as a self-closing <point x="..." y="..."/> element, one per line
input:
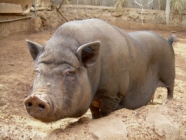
<point x="16" y="77"/>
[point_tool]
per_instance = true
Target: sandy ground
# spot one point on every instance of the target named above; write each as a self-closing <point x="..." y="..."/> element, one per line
<point x="16" y="77"/>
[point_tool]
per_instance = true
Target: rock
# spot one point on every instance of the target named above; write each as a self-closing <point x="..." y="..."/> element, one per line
<point x="105" y="130"/>
<point x="10" y="8"/>
<point x="149" y="18"/>
<point x="36" y="24"/>
<point x="50" y="19"/>
<point x="124" y="18"/>
<point x="163" y="126"/>
<point x="160" y="18"/>
<point x="148" y="122"/>
<point x="96" y="15"/>
<point x="117" y="14"/>
<point x="133" y="15"/>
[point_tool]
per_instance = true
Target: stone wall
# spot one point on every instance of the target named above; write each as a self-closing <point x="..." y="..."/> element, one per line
<point x="110" y="14"/>
<point x="19" y="25"/>
<point x="125" y="18"/>
<point x="25" y="4"/>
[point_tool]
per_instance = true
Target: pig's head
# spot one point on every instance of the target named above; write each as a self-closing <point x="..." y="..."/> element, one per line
<point x="61" y="88"/>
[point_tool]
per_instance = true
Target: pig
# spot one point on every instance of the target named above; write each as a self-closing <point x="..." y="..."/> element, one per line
<point x="92" y="64"/>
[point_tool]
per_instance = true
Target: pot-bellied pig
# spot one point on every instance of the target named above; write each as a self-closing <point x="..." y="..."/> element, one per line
<point x="92" y="64"/>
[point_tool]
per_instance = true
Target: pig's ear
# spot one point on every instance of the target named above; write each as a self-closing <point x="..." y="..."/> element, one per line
<point x="34" y="48"/>
<point x="88" y="53"/>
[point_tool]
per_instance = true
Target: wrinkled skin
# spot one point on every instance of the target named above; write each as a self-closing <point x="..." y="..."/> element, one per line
<point x="91" y="64"/>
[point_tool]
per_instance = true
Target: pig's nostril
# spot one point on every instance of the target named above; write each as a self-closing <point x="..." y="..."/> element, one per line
<point x="41" y="107"/>
<point x="29" y="104"/>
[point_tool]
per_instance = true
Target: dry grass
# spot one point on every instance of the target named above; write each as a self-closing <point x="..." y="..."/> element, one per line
<point x="162" y="4"/>
<point x="177" y="7"/>
<point x="120" y="4"/>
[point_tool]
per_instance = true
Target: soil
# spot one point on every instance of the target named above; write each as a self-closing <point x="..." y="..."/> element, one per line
<point x="16" y="78"/>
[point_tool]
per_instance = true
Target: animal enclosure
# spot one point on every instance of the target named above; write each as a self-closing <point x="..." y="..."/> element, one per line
<point x="158" y="120"/>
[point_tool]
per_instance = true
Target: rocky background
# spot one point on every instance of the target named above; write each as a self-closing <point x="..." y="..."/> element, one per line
<point x="51" y="18"/>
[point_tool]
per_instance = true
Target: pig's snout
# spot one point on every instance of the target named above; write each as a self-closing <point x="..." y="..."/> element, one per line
<point x="35" y="103"/>
<point x="38" y="105"/>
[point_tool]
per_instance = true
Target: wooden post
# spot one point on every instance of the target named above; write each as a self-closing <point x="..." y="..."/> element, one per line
<point x="167" y="10"/>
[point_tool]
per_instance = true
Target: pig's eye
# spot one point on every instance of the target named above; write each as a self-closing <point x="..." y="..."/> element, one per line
<point x="70" y="73"/>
